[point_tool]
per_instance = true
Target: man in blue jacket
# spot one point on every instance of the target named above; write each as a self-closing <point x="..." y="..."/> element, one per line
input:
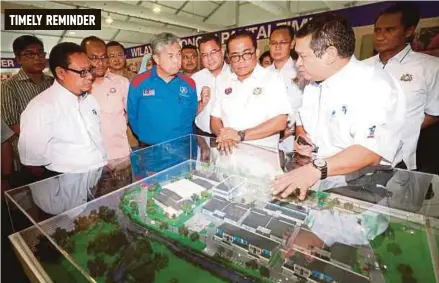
<point x="162" y="103"/>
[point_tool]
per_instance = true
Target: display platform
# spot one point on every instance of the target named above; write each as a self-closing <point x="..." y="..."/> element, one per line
<point x="182" y="211"/>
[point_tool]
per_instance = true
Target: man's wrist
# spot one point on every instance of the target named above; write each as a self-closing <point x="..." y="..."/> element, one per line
<point x="241" y="135"/>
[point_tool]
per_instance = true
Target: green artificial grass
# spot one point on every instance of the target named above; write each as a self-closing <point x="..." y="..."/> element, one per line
<point x="414" y="253"/>
<point x="181" y="269"/>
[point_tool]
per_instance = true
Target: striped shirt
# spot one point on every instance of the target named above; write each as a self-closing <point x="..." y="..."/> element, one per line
<point x="17" y="92"/>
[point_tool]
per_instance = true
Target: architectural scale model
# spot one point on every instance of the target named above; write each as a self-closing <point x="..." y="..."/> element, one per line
<point x="224" y="228"/>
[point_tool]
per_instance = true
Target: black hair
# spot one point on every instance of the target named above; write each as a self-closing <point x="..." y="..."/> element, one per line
<point x="241" y="34"/>
<point x="329" y="29"/>
<point x="284" y="27"/>
<point x="189" y="46"/>
<point x="90" y="38"/>
<point x="409" y="13"/>
<point x="263" y="55"/>
<point x="21" y="42"/>
<point x="60" y="53"/>
<point x="208" y="37"/>
<point x="294" y="55"/>
<point x="115" y="43"/>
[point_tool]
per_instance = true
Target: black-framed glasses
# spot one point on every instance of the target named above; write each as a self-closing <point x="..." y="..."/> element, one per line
<point x="245" y="56"/>
<point x="83" y="73"/>
<point x="280" y="43"/>
<point x="95" y="59"/>
<point x="33" y="55"/>
<point x="212" y="53"/>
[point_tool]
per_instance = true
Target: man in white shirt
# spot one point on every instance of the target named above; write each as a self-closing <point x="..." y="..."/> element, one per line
<point x="417" y="73"/>
<point x="252" y="103"/>
<point x="60" y="127"/>
<point x="353" y="115"/>
<point x="281" y="43"/>
<point x="212" y="58"/>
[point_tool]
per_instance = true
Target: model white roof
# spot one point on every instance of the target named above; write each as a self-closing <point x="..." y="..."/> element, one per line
<point x="184" y="188"/>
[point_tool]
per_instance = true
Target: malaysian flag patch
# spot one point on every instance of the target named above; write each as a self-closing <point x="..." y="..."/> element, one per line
<point x="148" y="92"/>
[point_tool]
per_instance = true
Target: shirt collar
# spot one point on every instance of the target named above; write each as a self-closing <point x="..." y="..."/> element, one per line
<point x="400" y="56"/>
<point x="258" y="72"/>
<point x="22" y="76"/>
<point x="340" y="77"/>
<point x="67" y="96"/>
<point x="288" y="64"/>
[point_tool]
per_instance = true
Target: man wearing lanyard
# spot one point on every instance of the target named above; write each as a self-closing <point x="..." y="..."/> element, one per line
<point x="251" y="103"/>
<point x="281" y="43"/>
<point x="353" y="115"/>
<point x="60" y="127"/>
<point x="417" y="73"/>
<point x="212" y="58"/>
<point x="162" y="103"/>
<point x="110" y="91"/>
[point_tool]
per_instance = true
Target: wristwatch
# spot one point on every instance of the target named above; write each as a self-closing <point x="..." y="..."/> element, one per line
<point x="322" y="166"/>
<point x="241" y="135"/>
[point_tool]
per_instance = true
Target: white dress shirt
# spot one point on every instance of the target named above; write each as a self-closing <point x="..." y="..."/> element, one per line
<point x="205" y="78"/>
<point x="288" y="72"/>
<point x="359" y="105"/>
<point x="418" y="75"/>
<point x="61" y="131"/>
<point x="244" y="105"/>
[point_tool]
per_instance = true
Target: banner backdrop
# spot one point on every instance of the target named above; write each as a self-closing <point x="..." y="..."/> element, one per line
<point x="360" y="17"/>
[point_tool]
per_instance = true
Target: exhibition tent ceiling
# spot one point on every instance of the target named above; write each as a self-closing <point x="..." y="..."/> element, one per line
<point x="134" y="22"/>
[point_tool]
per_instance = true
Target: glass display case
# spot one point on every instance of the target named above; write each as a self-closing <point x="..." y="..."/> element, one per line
<point x="182" y="211"/>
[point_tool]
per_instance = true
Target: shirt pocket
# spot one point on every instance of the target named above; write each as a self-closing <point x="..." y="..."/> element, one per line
<point x="339" y="126"/>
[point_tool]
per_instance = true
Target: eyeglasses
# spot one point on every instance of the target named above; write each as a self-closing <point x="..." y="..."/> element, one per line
<point x="117" y="55"/>
<point x="213" y="53"/>
<point x="95" y="59"/>
<point x="32" y="55"/>
<point x="83" y="73"/>
<point x="281" y="43"/>
<point x="245" y="56"/>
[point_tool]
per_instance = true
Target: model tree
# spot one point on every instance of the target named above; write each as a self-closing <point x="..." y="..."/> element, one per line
<point x="253" y="264"/>
<point x="195" y="198"/>
<point x="194" y="236"/>
<point x="265" y="272"/>
<point x="183" y="231"/>
<point x="204" y="194"/>
<point x="150" y="202"/>
<point x="221" y="250"/>
<point x="186" y="207"/>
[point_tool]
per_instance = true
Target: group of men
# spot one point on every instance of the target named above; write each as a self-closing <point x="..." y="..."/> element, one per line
<point x="350" y="115"/>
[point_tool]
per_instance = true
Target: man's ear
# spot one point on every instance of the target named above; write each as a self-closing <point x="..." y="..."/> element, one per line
<point x="155" y="57"/>
<point x="258" y="52"/>
<point x="331" y="55"/>
<point x="223" y="51"/>
<point x="410" y="33"/>
<point x="60" y="73"/>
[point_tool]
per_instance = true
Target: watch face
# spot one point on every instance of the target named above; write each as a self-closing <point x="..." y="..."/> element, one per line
<point x="319" y="162"/>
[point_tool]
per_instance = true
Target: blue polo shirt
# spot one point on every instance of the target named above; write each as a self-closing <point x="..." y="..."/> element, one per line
<point x="160" y="111"/>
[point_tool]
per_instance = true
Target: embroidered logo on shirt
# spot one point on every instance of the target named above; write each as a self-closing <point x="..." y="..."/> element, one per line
<point x="112" y="90"/>
<point x="148" y="92"/>
<point x="344" y="109"/>
<point x="183" y="91"/>
<point x="94" y="112"/>
<point x="257" y="91"/>
<point x="228" y="90"/>
<point x="406" y="77"/>
<point x="371" y="132"/>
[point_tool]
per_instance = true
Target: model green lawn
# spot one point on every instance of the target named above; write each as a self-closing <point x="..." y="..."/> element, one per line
<point x="63" y="271"/>
<point x="410" y="256"/>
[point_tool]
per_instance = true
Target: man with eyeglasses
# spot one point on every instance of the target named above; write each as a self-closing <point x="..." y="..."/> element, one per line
<point x="252" y="104"/>
<point x="189" y="59"/>
<point x="117" y="60"/>
<point x="60" y="128"/>
<point x="110" y="91"/>
<point x="281" y="43"/>
<point x="17" y="91"/>
<point x="212" y="58"/>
